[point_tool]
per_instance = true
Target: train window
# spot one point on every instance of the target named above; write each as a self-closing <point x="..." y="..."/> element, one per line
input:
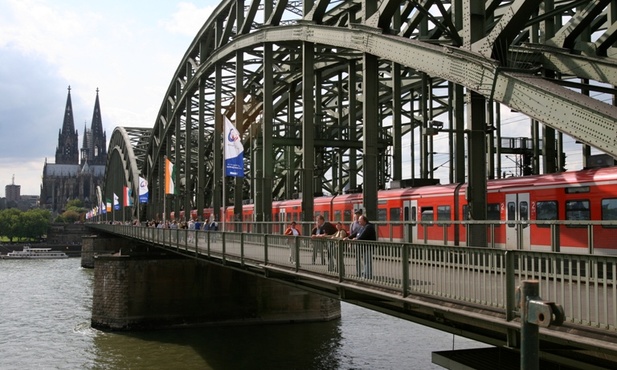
<point x="547" y="210"/>
<point x="413" y="214"/>
<point x="578" y="210"/>
<point x="382" y="214"/>
<point x="337" y="215"/>
<point x="347" y="215"/>
<point x="492" y="212"/>
<point x="511" y="213"/>
<point x="443" y="213"/>
<point x="427" y="214"/>
<point x="523" y="211"/>
<point x="326" y="214"/>
<point x="609" y="210"/>
<point x="395" y="214"/>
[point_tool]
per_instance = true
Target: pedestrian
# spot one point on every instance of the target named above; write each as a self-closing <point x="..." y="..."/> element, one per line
<point x="333" y="246"/>
<point x="292" y="230"/>
<point x="322" y="229"/>
<point x="364" y="251"/>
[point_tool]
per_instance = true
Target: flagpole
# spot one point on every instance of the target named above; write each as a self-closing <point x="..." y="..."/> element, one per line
<point x="164" y="187"/>
<point x="224" y="174"/>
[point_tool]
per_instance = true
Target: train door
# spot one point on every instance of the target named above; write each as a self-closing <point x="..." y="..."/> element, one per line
<point x="517" y="209"/>
<point x="410" y="215"/>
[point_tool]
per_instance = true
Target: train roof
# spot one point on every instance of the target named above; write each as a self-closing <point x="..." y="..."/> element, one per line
<point x="561" y="179"/>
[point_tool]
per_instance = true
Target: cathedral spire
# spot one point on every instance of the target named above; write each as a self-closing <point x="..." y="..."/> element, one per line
<point x="97" y="141"/>
<point x="69" y="124"/>
<point x="66" y="151"/>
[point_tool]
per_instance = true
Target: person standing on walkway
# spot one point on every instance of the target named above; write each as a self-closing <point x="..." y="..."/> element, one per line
<point x="341" y="233"/>
<point x="322" y="229"/>
<point x="292" y="230"/>
<point x="364" y="252"/>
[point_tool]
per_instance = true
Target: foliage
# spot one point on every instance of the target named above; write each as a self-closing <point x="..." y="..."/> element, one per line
<point x="31" y="224"/>
<point x="71" y="216"/>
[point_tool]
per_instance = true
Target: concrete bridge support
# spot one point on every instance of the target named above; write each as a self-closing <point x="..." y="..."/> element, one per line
<point x="152" y="292"/>
<point x="93" y="245"/>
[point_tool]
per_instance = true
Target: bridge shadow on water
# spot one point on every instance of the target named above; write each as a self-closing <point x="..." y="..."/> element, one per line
<point x="284" y="346"/>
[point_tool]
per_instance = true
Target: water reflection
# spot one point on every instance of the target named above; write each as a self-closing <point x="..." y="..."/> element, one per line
<point x="296" y="346"/>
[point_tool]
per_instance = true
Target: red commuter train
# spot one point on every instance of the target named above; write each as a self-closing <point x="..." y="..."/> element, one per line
<point x="586" y="195"/>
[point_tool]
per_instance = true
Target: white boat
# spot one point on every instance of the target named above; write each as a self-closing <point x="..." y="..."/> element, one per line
<point x="35" y="253"/>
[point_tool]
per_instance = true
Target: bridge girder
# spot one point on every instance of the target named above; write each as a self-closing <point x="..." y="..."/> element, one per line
<point x="428" y="43"/>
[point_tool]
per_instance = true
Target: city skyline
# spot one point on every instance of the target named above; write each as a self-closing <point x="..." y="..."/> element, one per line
<point x="128" y="50"/>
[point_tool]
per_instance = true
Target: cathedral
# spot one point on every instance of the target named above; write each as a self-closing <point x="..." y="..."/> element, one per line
<point x="76" y="173"/>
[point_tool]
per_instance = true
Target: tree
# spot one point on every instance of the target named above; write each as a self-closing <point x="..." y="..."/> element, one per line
<point x="10" y="223"/>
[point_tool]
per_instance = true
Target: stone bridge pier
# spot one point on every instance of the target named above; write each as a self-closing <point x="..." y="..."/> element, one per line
<point x="153" y="290"/>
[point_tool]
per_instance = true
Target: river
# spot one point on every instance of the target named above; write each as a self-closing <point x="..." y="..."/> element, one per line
<point x="45" y="308"/>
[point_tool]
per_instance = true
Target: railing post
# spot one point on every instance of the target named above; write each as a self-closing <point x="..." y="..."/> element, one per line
<point x="555" y="238"/>
<point x="242" y="249"/>
<point x="265" y="248"/>
<point x="340" y="259"/>
<point x="223" y="245"/>
<point x="534" y="313"/>
<point x="590" y="238"/>
<point x="405" y="248"/>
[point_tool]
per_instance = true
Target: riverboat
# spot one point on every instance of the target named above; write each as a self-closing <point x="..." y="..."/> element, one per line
<point x="35" y="253"/>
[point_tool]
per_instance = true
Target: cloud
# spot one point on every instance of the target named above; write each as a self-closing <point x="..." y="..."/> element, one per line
<point x="188" y="19"/>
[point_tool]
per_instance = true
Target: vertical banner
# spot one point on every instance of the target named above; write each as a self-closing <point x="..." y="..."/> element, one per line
<point x="127" y="196"/>
<point x="143" y="190"/>
<point x="108" y="205"/>
<point x="170" y="175"/>
<point x="233" y="150"/>
<point x="116" y="202"/>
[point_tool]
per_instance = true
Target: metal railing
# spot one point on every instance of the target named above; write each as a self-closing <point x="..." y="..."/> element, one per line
<point x="584" y="284"/>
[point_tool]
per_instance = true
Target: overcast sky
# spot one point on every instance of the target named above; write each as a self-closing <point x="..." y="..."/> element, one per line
<point x="128" y="49"/>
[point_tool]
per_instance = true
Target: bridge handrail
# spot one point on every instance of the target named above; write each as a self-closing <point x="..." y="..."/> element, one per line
<point x="478" y="276"/>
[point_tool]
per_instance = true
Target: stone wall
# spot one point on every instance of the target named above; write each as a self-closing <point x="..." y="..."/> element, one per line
<point x="157" y="292"/>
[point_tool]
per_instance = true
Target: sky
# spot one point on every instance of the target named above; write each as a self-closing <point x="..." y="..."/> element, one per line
<point x="128" y="49"/>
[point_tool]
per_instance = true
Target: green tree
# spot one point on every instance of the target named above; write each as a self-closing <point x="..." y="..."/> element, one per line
<point x="71" y="216"/>
<point x="10" y="223"/>
<point x="36" y="223"/>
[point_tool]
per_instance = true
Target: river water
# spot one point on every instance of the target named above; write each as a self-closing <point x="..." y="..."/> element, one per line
<point x="45" y="308"/>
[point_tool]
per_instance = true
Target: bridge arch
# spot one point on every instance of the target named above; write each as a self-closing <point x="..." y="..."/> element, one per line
<point x="249" y="63"/>
<point x="125" y="157"/>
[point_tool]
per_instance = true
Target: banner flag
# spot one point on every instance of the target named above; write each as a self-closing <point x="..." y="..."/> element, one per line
<point x="116" y="202"/>
<point x="170" y="175"/>
<point x="108" y="205"/>
<point x="143" y="190"/>
<point x="233" y="150"/>
<point x="127" y="196"/>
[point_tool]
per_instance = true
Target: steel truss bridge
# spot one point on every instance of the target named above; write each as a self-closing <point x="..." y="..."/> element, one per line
<point x="337" y="95"/>
<point x="460" y="290"/>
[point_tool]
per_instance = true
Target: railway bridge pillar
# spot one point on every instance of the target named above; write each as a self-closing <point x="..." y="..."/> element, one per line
<point x="161" y="291"/>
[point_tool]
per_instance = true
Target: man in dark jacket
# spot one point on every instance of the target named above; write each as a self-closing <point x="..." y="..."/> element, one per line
<point x="364" y="252"/>
<point x="322" y="230"/>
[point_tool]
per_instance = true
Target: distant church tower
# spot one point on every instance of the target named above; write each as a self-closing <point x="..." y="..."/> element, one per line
<point x="66" y="151"/>
<point x="94" y="150"/>
<point x="69" y="178"/>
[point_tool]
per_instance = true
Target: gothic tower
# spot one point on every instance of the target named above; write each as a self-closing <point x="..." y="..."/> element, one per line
<point x="94" y="149"/>
<point x="66" y="151"/>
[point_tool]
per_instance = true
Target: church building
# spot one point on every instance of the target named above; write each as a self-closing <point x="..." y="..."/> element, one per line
<point x="75" y="173"/>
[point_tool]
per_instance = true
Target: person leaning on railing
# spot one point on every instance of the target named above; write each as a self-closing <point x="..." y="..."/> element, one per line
<point x="364" y="253"/>
<point x="322" y="229"/>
